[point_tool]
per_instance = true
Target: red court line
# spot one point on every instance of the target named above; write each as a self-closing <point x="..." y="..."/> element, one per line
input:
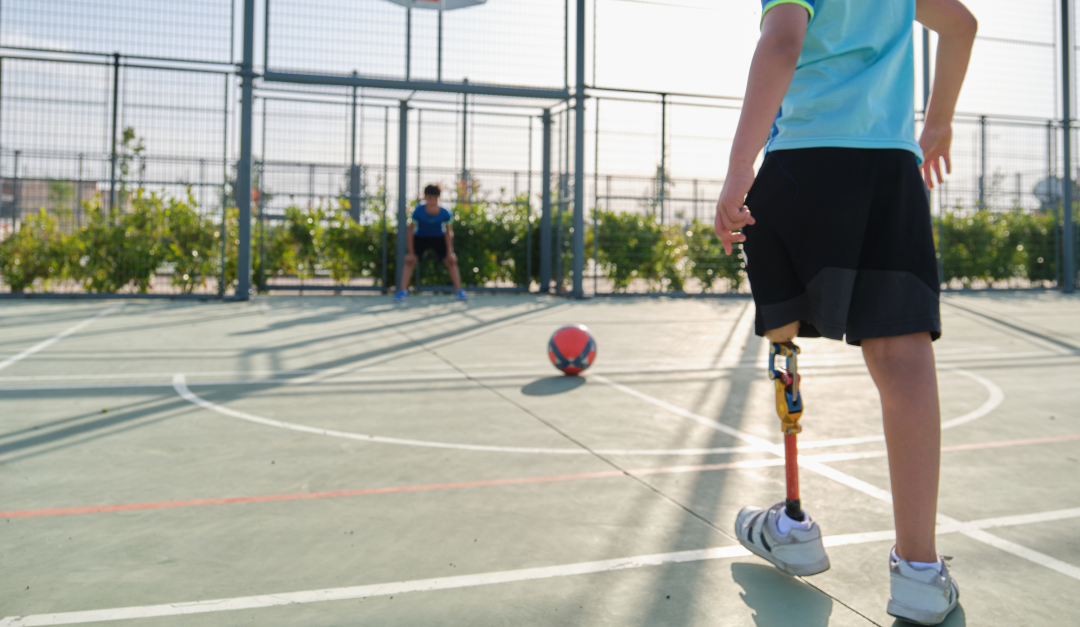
<point x="272" y="498"/>
<point x="983" y="445"/>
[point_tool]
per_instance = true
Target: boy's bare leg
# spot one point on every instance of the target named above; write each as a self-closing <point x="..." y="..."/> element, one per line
<point x="783" y="334"/>
<point x="455" y="273"/>
<point x="407" y="271"/>
<point x="903" y="369"/>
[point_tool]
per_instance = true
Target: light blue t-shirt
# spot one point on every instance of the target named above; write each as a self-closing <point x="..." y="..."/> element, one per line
<point x="428" y="225"/>
<point x="854" y="85"/>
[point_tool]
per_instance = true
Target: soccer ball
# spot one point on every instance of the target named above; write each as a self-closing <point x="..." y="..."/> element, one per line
<point x="572" y="349"/>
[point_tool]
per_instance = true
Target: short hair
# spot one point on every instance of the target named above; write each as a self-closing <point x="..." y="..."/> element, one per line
<point x="433" y="190"/>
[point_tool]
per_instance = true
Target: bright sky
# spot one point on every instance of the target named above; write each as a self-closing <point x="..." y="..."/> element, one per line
<point x="692" y="46"/>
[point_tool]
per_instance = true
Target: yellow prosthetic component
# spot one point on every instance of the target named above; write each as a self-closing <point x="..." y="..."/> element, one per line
<point x="788" y="399"/>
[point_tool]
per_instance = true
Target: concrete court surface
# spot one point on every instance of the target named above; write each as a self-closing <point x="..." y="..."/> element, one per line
<point x="348" y="461"/>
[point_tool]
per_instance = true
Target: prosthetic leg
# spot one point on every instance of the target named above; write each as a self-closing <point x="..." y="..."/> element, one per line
<point x="799" y="550"/>
<point x="789" y="406"/>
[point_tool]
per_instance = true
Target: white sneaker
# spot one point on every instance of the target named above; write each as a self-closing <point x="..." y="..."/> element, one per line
<point x="800" y="552"/>
<point x="923" y="597"/>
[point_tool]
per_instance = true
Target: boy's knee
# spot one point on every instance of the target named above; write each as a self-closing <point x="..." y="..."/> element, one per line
<point x="896" y="344"/>
<point x="901" y="351"/>
<point x="786" y="333"/>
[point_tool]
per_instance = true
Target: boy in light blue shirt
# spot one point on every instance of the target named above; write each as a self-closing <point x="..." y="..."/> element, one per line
<point x="838" y="240"/>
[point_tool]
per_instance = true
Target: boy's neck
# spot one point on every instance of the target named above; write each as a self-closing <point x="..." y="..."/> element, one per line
<point x="431" y="207"/>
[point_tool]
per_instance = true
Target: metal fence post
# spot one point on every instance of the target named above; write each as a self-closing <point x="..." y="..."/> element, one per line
<point x="78" y="194"/>
<point x="403" y="164"/>
<point x="354" y="170"/>
<point x="16" y="201"/>
<point x="1" y="150"/>
<point x="596" y="187"/>
<point x="696" y="200"/>
<point x="419" y="148"/>
<point x="663" y="153"/>
<point x="223" y="194"/>
<point x="528" y="214"/>
<point x="545" y="206"/>
<point x="115" y="110"/>
<point x="311" y="185"/>
<point x="564" y="191"/>
<point x="1051" y="174"/>
<point x="260" y="205"/>
<point x="243" y="166"/>
<point x="385" y="195"/>
<point x="1069" y="274"/>
<point x="465" y="141"/>
<point x="982" y="162"/>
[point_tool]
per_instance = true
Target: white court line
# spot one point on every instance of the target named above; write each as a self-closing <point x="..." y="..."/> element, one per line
<point x="56" y="338"/>
<point x="486" y="579"/>
<point x="870" y="489"/>
<point x="180" y="385"/>
<point x="997" y="396"/>
<point x="761" y="443"/>
<point x="362" y="374"/>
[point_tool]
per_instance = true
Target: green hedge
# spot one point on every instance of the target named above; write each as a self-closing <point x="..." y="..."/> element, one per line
<point x="115" y="250"/>
<point x="991" y="246"/>
<point x="154" y="235"/>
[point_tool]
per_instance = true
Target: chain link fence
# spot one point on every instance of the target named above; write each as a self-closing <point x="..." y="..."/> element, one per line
<point x="117" y="171"/>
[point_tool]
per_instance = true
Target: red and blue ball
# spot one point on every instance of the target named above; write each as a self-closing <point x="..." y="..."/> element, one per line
<point x="572" y="349"/>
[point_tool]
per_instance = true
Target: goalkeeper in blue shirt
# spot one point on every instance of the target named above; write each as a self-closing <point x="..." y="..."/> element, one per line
<point x="430" y="229"/>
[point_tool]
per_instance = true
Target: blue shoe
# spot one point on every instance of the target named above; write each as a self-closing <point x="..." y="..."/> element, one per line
<point x="401" y="296"/>
<point x="461" y="295"/>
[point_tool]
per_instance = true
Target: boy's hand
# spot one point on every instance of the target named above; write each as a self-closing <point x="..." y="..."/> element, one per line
<point x="731" y="214"/>
<point x="451" y="257"/>
<point x="410" y="258"/>
<point x="935" y="142"/>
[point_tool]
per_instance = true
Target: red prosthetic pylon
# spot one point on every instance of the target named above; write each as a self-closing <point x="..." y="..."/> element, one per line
<point x="789" y="407"/>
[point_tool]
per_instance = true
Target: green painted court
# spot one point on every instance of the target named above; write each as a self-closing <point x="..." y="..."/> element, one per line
<point x="347" y="461"/>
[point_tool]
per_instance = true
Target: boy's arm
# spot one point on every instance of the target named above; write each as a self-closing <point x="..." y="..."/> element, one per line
<point x="409" y="237"/>
<point x="775" y="58"/>
<point x="956" y="27"/>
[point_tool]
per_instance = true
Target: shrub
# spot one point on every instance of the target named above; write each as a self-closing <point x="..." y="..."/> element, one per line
<point x="707" y="261"/>
<point x="121" y="249"/>
<point x="630" y="247"/>
<point x="125" y="249"/>
<point x="989" y="246"/>
<point x="37" y="251"/>
<point x="192" y="244"/>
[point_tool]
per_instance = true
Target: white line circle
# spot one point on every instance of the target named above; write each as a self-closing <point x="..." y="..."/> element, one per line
<point x="179" y="383"/>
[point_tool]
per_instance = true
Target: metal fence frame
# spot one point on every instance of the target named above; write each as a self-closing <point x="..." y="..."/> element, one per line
<point x="570" y="177"/>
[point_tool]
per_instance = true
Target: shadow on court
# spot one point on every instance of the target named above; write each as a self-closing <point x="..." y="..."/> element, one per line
<point x="779" y="599"/>
<point x="552" y="385"/>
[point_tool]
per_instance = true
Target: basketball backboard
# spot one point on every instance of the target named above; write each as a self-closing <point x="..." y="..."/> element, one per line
<point x="445" y="5"/>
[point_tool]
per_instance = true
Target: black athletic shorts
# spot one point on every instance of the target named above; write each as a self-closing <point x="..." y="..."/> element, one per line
<point x="423" y="244"/>
<point x="843" y="244"/>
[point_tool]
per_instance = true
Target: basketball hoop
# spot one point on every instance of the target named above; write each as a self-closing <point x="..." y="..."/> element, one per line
<point x="444" y="5"/>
